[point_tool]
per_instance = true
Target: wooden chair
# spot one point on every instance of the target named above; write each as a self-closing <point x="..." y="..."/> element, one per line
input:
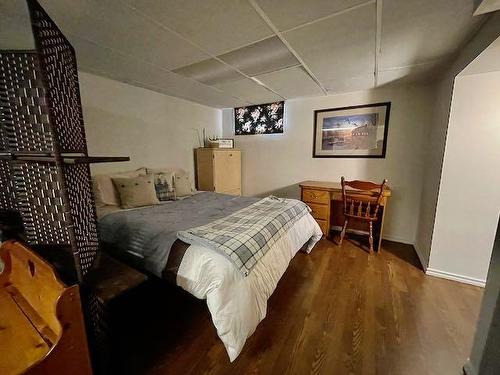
<point x="361" y="203"/>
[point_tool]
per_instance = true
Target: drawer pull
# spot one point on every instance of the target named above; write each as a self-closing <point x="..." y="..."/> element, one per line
<point x="315" y="196"/>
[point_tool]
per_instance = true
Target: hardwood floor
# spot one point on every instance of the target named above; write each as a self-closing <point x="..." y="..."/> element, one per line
<point x="335" y="311"/>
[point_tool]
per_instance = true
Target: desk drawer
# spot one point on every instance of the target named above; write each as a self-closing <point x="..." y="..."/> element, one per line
<point x="316" y="196"/>
<point x="319" y="211"/>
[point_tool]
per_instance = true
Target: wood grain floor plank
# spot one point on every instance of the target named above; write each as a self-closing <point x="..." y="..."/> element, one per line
<point x="337" y="310"/>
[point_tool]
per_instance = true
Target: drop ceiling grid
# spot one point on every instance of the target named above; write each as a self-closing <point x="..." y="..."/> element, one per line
<point x="217" y="25"/>
<point x="65" y="24"/>
<point x="276" y="32"/>
<point x="272" y="27"/>
<point x="127" y="69"/>
<point x="293" y="82"/>
<point x="205" y="51"/>
<point x="288" y="14"/>
<point x="129" y="61"/>
<point x="350" y="54"/>
<point x="400" y="25"/>
<point x="266" y="18"/>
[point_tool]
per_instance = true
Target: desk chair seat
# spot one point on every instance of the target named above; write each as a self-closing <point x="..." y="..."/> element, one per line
<point x="363" y="204"/>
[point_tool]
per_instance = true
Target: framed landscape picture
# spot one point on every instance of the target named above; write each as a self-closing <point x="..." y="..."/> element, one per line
<point x="259" y="119"/>
<point x="351" y="132"/>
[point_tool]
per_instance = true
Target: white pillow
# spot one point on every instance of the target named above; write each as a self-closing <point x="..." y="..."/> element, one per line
<point x="165" y="170"/>
<point x="183" y="185"/>
<point x="104" y="190"/>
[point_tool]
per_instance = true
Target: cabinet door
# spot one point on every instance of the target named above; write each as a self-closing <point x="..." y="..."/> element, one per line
<point x="227" y="171"/>
<point x="204" y="170"/>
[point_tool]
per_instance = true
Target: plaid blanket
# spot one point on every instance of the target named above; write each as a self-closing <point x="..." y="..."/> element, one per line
<point x="246" y="235"/>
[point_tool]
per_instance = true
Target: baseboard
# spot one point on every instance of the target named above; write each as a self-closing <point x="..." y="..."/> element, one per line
<point x="455" y="277"/>
<point x="420" y="257"/>
<point x="384" y="237"/>
<point x="397" y="239"/>
<point x="469" y="369"/>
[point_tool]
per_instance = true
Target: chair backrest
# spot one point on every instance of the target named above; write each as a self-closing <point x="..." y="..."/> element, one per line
<point x="363" y="200"/>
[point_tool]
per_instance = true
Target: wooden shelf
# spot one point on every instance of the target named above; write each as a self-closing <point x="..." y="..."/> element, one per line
<point x="111" y="278"/>
<point x="94" y="159"/>
<point x="67" y="159"/>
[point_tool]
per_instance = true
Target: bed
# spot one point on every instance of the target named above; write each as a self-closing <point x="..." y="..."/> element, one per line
<point x="147" y="238"/>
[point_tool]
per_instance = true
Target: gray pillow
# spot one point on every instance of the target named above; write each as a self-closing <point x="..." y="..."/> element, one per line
<point x="164" y="186"/>
<point x="136" y="191"/>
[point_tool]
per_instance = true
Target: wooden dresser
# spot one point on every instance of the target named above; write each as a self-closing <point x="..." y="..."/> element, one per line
<point x="325" y="200"/>
<point x="219" y="170"/>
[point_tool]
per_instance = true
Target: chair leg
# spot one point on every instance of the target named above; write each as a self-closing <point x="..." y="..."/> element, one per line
<point x="371" y="237"/>
<point x="342" y="233"/>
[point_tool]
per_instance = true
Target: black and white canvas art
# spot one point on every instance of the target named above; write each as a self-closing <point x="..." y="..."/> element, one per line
<point x="259" y="119"/>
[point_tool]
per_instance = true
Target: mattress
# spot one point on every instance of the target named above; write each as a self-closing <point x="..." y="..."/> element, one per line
<point x="146" y="237"/>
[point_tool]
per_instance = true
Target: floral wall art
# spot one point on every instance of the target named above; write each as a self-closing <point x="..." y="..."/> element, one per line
<point x="259" y="119"/>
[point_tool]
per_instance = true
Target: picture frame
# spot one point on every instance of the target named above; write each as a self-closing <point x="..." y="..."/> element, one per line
<point x="351" y="132"/>
<point x="220" y="143"/>
<point x="226" y="142"/>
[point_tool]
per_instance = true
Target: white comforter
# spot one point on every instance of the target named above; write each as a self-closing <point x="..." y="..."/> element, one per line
<point x="207" y="274"/>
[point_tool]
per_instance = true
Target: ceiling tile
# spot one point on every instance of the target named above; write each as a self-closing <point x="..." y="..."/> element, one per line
<point x="210" y="72"/>
<point x="486" y="62"/>
<point x="217" y="25"/>
<point x="341" y="46"/>
<point x="412" y="74"/>
<point x="15" y="33"/>
<point x="112" y="24"/>
<point x="13" y="8"/>
<point x="286" y="14"/>
<point x="291" y="83"/>
<point x="96" y="59"/>
<point x="348" y="84"/>
<point x="108" y="63"/>
<point x="265" y="56"/>
<point x="250" y="91"/>
<point x="415" y="31"/>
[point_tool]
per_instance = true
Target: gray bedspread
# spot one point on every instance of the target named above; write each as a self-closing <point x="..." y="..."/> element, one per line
<point x="144" y="236"/>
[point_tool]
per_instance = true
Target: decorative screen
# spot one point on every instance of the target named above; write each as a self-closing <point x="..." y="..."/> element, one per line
<point x="58" y="65"/>
<point x="24" y="119"/>
<point x="259" y="119"/>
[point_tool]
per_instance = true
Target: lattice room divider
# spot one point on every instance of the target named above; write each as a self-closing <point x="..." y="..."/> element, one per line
<point x="44" y="162"/>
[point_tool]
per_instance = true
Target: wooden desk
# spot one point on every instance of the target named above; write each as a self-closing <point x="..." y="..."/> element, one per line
<point x="325" y="200"/>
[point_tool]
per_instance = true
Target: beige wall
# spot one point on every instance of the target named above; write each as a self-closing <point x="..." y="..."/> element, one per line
<point x="489" y="31"/>
<point x="155" y="130"/>
<point x="469" y="195"/>
<point x="277" y="163"/>
<point x="433" y="159"/>
<point x="486" y="347"/>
